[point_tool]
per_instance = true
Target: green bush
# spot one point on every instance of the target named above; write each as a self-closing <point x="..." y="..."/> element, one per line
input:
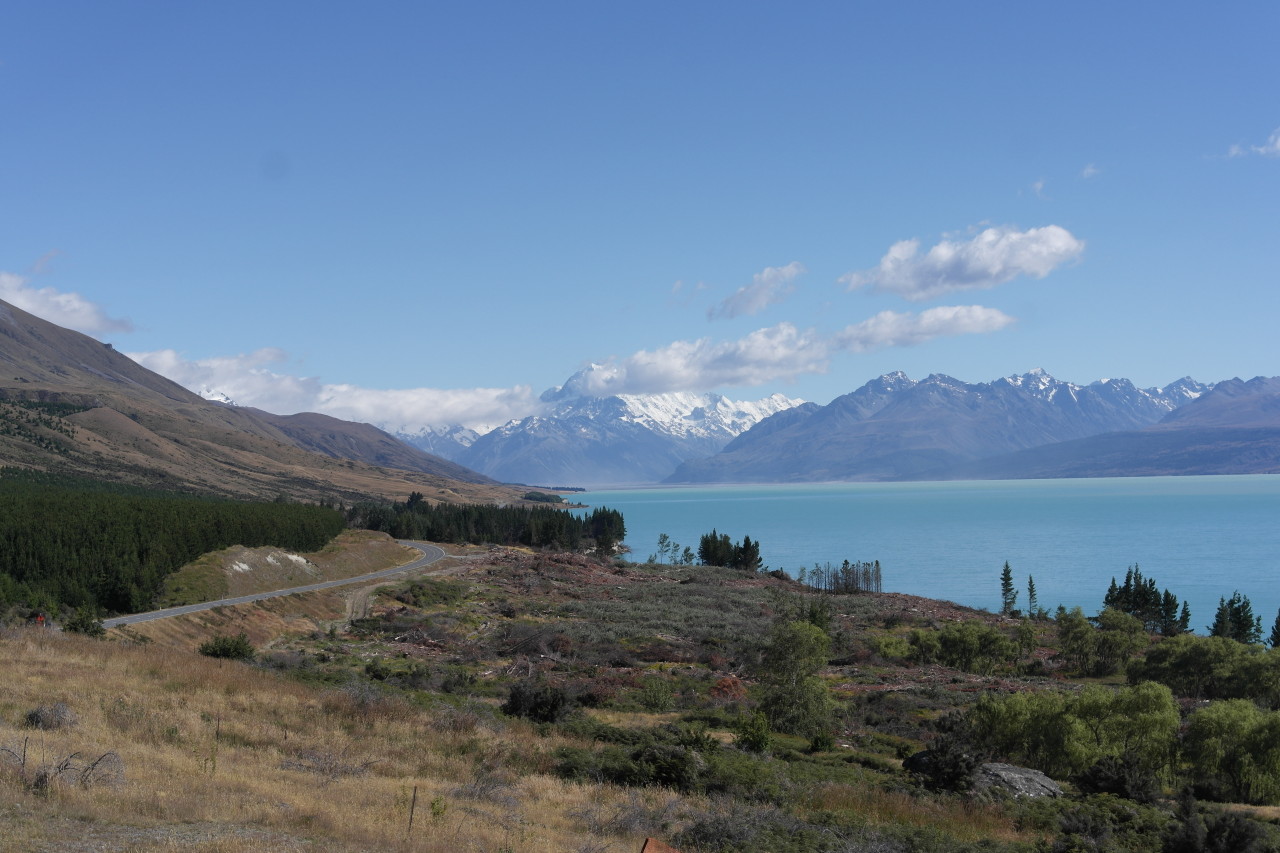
<point x="893" y="647"/>
<point x="84" y="621"/>
<point x="752" y="732"/>
<point x="539" y="703"/>
<point x="428" y="593"/>
<point x="231" y="648"/>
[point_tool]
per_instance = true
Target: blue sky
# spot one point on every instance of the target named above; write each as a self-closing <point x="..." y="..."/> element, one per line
<point x="425" y="212"/>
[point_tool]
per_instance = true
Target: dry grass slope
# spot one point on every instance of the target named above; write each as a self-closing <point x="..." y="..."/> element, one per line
<point x="219" y="756"/>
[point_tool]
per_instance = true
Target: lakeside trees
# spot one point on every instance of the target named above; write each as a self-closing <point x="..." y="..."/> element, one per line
<point x="1235" y="619"/>
<point x="1138" y="596"/>
<point x="602" y="530"/>
<point x="844" y="579"/>
<point x="716" y="549"/>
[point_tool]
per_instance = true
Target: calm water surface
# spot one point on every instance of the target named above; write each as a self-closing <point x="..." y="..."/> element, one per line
<point x="1202" y="537"/>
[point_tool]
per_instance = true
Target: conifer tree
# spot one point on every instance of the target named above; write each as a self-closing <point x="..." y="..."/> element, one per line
<point x="1274" y="640"/>
<point x="1033" y="604"/>
<point x="1236" y="621"/>
<point x="1008" y="594"/>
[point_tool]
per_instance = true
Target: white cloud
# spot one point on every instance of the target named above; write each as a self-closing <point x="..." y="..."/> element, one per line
<point x="767" y="287"/>
<point x="66" y="309"/>
<point x="893" y="329"/>
<point x="245" y="378"/>
<point x="1270" y="148"/>
<point x="248" y="381"/>
<point x="778" y="353"/>
<point x="775" y="353"/>
<point x="992" y="257"/>
<point x="1090" y="171"/>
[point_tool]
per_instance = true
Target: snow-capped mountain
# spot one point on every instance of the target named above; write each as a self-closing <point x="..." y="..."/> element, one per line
<point x="447" y="441"/>
<point x="895" y="427"/>
<point x="584" y="440"/>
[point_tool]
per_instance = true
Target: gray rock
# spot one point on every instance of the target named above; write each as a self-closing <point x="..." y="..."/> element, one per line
<point x="1015" y="781"/>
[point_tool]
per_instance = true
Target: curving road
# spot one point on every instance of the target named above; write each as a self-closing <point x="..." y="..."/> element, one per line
<point x="430" y="554"/>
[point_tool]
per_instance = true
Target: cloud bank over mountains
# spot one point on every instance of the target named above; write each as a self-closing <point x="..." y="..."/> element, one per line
<point x="249" y="380"/>
<point x="781" y="352"/>
<point x="773" y="354"/>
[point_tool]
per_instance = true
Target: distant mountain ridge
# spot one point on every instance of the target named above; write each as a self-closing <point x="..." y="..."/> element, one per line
<point x="585" y="440"/>
<point x="1232" y="429"/>
<point x="895" y="428"/>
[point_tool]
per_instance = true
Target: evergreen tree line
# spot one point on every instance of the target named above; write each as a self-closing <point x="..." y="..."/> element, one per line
<point x="537" y="526"/>
<point x="64" y="546"/>
<point x="1138" y="596"/>
<point x="717" y="549"/>
<point x="1159" y="611"/>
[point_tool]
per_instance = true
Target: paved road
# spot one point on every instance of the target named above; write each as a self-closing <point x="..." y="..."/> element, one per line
<point x="430" y="554"/>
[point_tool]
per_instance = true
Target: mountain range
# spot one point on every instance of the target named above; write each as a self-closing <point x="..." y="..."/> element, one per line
<point x="897" y="428"/>
<point x="586" y="440"/>
<point x="72" y="405"/>
<point x="1232" y="429"/>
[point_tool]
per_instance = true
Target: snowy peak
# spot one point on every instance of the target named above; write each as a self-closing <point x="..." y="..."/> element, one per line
<point x="581" y="438"/>
<point x="677" y="413"/>
<point x="594" y="380"/>
<point x="704" y="415"/>
<point x="895" y="381"/>
<point x="447" y="441"/>
<point x="1184" y="390"/>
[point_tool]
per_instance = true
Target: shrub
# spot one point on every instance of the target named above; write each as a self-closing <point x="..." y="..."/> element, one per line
<point x="893" y="647"/>
<point x="541" y="704"/>
<point x="948" y="765"/>
<point x="84" y="621"/>
<point x="752" y="732"/>
<point x="429" y="592"/>
<point x="1123" y="775"/>
<point x="655" y="695"/>
<point x="231" y="648"/>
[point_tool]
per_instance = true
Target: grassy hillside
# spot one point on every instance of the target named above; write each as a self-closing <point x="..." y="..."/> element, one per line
<point x="355" y="703"/>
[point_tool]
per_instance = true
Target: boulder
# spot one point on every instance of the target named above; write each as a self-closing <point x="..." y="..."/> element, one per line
<point x="1014" y="781"/>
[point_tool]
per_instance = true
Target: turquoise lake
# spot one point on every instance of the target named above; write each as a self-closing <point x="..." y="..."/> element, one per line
<point x="1201" y="537"/>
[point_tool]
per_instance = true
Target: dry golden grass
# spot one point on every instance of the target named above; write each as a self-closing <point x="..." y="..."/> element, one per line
<point x="219" y="756"/>
<point x="963" y="820"/>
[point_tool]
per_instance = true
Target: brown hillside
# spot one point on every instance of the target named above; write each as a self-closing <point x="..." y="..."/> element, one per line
<point x="73" y="405"/>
